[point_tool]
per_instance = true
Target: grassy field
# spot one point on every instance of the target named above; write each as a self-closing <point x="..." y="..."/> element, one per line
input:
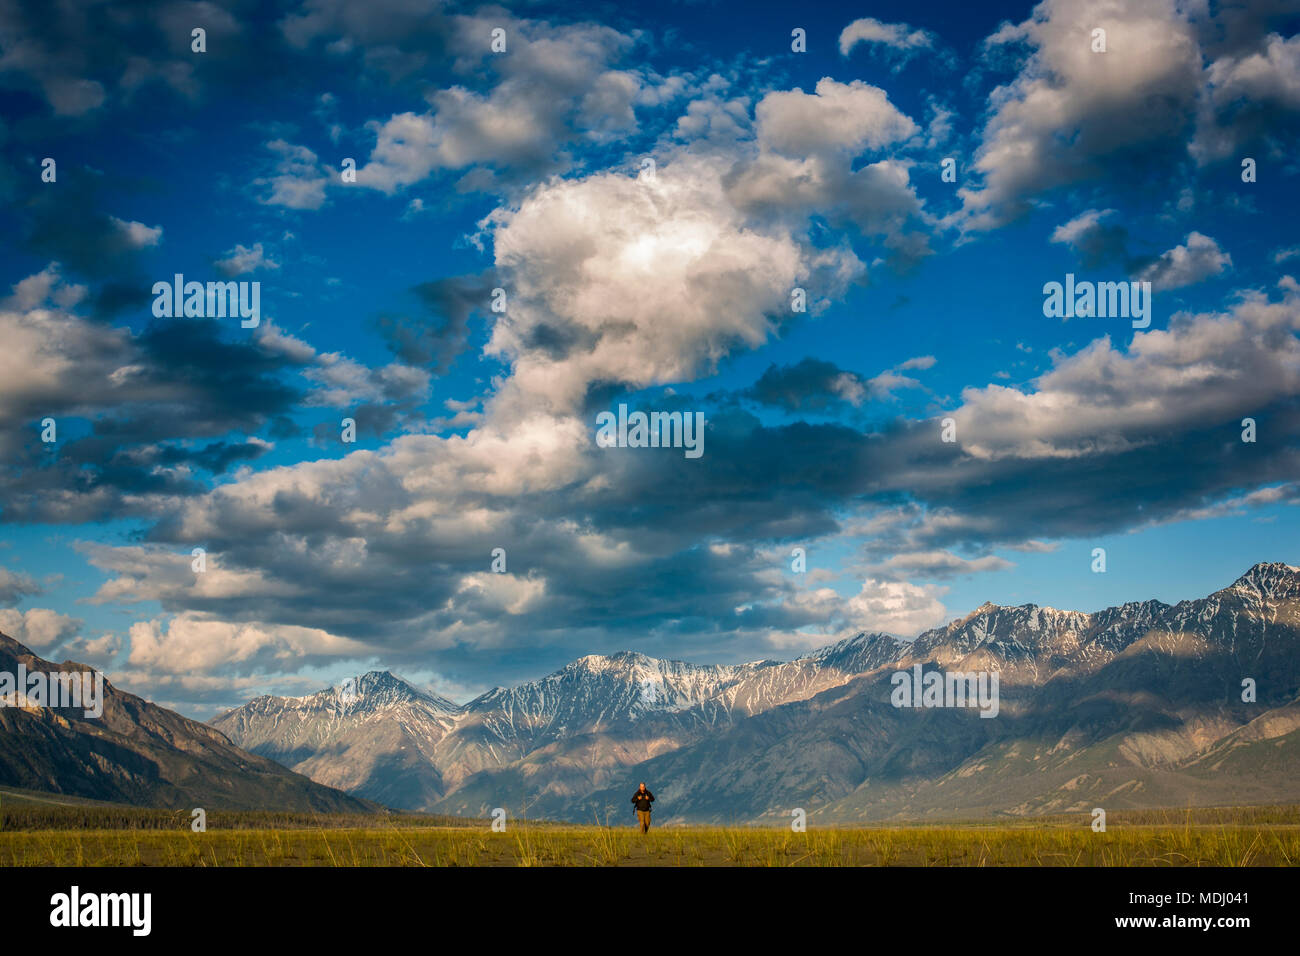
<point x="42" y="834"/>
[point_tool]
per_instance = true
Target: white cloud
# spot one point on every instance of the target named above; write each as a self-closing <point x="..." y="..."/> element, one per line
<point x="806" y="165"/>
<point x="896" y="607"/>
<point x="899" y="36"/>
<point x="1245" y="92"/>
<point x="298" y="180"/>
<point x="1187" y="264"/>
<point x="711" y="119"/>
<point x="191" y="643"/>
<point x="242" y="260"/>
<point x="506" y="593"/>
<point x="557" y="85"/>
<point x="1203" y="368"/>
<point x="1070" y="111"/>
<point x="15" y="585"/>
<point x="345" y="382"/>
<point x="137" y="234"/>
<point x="1080" y="226"/>
<point x="39" y="627"/>
<point x="50" y="353"/>
<point x="846" y="117"/>
<point x="274" y="339"/>
<point x="641" y="281"/>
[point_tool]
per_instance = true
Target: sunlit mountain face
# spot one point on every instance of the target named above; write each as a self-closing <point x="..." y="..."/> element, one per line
<point x="1009" y="710"/>
<point x="469" y="342"/>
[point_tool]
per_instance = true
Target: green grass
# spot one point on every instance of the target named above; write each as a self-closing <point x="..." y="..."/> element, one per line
<point x="36" y="835"/>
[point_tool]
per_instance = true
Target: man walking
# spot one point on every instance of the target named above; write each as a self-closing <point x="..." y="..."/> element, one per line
<point x="642" y="800"/>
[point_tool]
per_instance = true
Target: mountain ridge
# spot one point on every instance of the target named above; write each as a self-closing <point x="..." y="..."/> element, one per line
<point x="562" y="740"/>
<point x="140" y="753"/>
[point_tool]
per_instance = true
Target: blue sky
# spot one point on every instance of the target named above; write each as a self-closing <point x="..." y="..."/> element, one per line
<point x="666" y="289"/>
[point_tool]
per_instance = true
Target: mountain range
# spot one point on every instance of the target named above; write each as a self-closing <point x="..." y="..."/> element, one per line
<point x="136" y="752"/>
<point x="1132" y="706"/>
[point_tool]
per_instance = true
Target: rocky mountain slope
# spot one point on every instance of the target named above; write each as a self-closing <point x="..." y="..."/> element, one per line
<point x="139" y="753"/>
<point x="1136" y="705"/>
<point x="583" y="723"/>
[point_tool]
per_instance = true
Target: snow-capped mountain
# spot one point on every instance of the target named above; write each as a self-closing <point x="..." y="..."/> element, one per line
<point x="615" y="709"/>
<point x="1133" y="692"/>
<point x="376" y="735"/>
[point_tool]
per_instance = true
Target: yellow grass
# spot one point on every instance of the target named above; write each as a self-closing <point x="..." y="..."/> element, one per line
<point x="1259" y="837"/>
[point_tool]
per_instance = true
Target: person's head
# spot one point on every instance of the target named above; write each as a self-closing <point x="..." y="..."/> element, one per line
<point x="642" y="787"/>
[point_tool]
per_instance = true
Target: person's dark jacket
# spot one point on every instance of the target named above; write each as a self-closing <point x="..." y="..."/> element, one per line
<point x="643" y="799"/>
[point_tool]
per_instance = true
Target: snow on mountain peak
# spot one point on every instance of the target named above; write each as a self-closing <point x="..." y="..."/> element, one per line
<point x="1271" y="579"/>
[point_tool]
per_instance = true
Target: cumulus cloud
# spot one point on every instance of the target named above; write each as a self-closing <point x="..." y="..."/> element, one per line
<point x="1160" y="419"/>
<point x="611" y="278"/>
<point x="1094" y="236"/>
<point x="1034" y="546"/>
<point x="1071" y="114"/>
<point x="1197" y="259"/>
<point x="1203" y="368"/>
<point x="14" y="586"/>
<point x="806" y="165"/>
<point x="1099" y="240"/>
<point x="52" y="355"/>
<point x="1176" y="80"/>
<point x="242" y="260"/>
<point x="137" y="234"/>
<point x="715" y="121"/>
<point x="896" y="35"/>
<point x="618" y="283"/>
<point x="559" y="85"/>
<point x="837" y="116"/>
<point x="1250" y="95"/>
<point x="188" y="643"/>
<point x="174" y="398"/>
<point x="345" y="382"/>
<point x="389" y="548"/>
<point x="1079" y="226"/>
<point x="297" y="180"/>
<point x="896" y="607"/>
<point x="150" y="397"/>
<point x="378" y="399"/>
<point x="39" y="628"/>
<point x="393" y="39"/>
<point x="895" y="43"/>
<point x="641" y="281"/>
